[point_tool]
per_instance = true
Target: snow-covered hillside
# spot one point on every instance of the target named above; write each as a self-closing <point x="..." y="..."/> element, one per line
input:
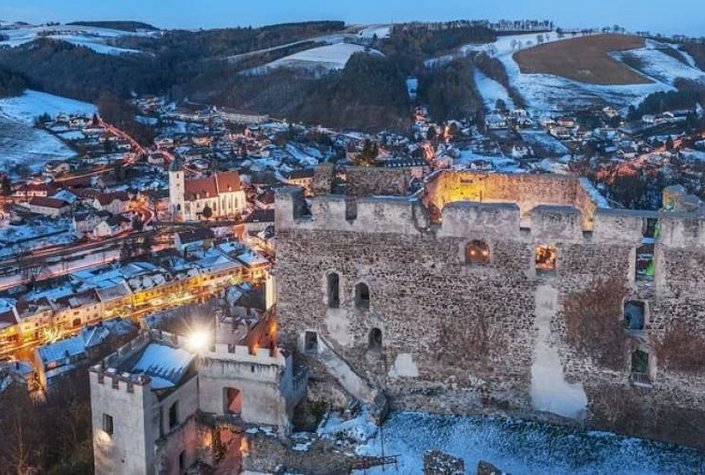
<point x="659" y="65"/>
<point x="91" y="37"/>
<point x="547" y="93"/>
<point x="382" y="31"/>
<point x="551" y="94"/>
<point x="491" y="91"/>
<point x="329" y="57"/>
<point x="512" y="43"/>
<point x="20" y="143"/>
<point x="31" y="104"/>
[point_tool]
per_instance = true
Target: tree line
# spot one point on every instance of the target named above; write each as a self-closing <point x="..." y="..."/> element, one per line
<point x="11" y="84"/>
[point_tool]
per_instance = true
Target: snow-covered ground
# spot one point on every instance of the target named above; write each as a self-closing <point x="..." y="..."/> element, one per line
<point x="382" y="31"/>
<point x="328" y="57"/>
<point x="550" y="94"/>
<point x="512" y="43"/>
<point x="491" y="91"/>
<point x="20" y="143"/>
<point x="660" y="66"/>
<point x="470" y="159"/>
<point x="519" y="447"/>
<point x="545" y="141"/>
<point x="547" y="93"/>
<point x="31" y="104"/>
<point x="91" y="37"/>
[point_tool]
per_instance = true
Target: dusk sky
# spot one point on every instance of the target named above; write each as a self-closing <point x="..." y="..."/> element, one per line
<point x="665" y="16"/>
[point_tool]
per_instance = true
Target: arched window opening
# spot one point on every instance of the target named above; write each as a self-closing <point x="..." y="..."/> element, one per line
<point x="477" y="252"/>
<point x="375" y="340"/>
<point x="362" y="296"/>
<point x="333" y="290"/>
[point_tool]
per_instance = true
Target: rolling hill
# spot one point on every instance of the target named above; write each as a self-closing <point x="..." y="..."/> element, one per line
<point x="587" y="59"/>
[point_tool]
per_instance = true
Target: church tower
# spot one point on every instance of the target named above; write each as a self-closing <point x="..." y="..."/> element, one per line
<point x="176" y="189"/>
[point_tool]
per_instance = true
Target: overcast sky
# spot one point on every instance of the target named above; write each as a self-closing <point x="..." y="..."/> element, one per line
<point x="664" y="16"/>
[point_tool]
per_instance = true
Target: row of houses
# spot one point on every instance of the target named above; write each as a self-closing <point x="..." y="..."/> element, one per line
<point x="134" y="289"/>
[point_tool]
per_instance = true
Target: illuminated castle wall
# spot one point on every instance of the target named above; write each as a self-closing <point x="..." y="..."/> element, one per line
<point x="392" y="287"/>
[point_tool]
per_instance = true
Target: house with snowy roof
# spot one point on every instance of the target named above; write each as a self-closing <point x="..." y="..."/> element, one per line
<point x="193" y="238"/>
<point x="51" y="207"/>
<point x="9" y="318"/>
<point x="115" y="202"/>
<point x="190" y="199"/>
<point x="92" y="343"/>
<point x="112" y="226"/>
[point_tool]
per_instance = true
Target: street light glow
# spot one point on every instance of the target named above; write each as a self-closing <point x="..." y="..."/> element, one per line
<point x="197" y="341"/>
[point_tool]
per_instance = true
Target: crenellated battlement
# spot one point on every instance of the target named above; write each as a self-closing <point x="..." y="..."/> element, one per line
<point x="545" y="207"/>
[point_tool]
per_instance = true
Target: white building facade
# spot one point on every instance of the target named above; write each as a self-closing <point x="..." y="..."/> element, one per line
<point x="221" y="193"/>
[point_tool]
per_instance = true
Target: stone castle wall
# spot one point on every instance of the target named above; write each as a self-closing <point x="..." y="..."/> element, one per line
<point x="461" y="337"/>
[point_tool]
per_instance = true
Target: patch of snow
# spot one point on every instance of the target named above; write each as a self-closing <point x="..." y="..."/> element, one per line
<point x="360" y="428"/>
<point x="595" y="195"/>
<point x="91" y="37"/>
<point x="659" y="65"/>
<point x="547" y="93"/>
<point x="382" y="31"/>
<point x="31" y="104"/>
<point x="545" y="141"/>
<point x="164" y="364"/>
<point x="520" y="447"/>
<point x="512" y="43"/>
<point x="24" y="146"/>
<point x="412" y="87"/>
<point x="470" y="159"/>
<point x="330" y="57"/>
<point x="491" y="91"/>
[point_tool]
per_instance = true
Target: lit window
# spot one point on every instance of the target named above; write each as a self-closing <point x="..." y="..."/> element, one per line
<point x="546" y="257"/>
<point x="108" y="424"/>
<point x="477" y="252"/>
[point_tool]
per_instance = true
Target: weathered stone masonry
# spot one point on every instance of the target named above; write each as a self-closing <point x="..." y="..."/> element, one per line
<point x="460" y="337"/>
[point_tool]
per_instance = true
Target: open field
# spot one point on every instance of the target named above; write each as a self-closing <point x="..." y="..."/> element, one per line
<point x="586" y="59"/>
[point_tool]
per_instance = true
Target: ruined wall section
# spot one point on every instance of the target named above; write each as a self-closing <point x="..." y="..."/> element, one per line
<point x="459" y="337"/>
<point x="371" y="181"/>
<point x="527" y="191"/>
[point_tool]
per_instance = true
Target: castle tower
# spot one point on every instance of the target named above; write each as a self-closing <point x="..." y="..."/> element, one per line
<point x="176" y="189"/>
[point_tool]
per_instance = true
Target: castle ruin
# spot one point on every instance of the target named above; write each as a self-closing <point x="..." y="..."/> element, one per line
<point x="519" y="294"/>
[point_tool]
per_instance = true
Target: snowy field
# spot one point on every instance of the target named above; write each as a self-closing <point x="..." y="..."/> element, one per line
<point x="330" y="57"/>
<point x="660" y="66"/>
<point x="547" y="93"/>
<point x="31" y="104"/>
<point x="20" y="143"/>
<point x="491" y="91"/>
<point x="520" y="448"/>
<point x="550" y="94"/>
<point x="512" y="43"/>
<point x="91" y="37"/>
<point x="546" y="142"/>
<point x="382" y="31"/>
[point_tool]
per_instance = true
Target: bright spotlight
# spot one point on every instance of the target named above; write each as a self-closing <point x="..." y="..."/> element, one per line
<point x="197" y="341"/>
